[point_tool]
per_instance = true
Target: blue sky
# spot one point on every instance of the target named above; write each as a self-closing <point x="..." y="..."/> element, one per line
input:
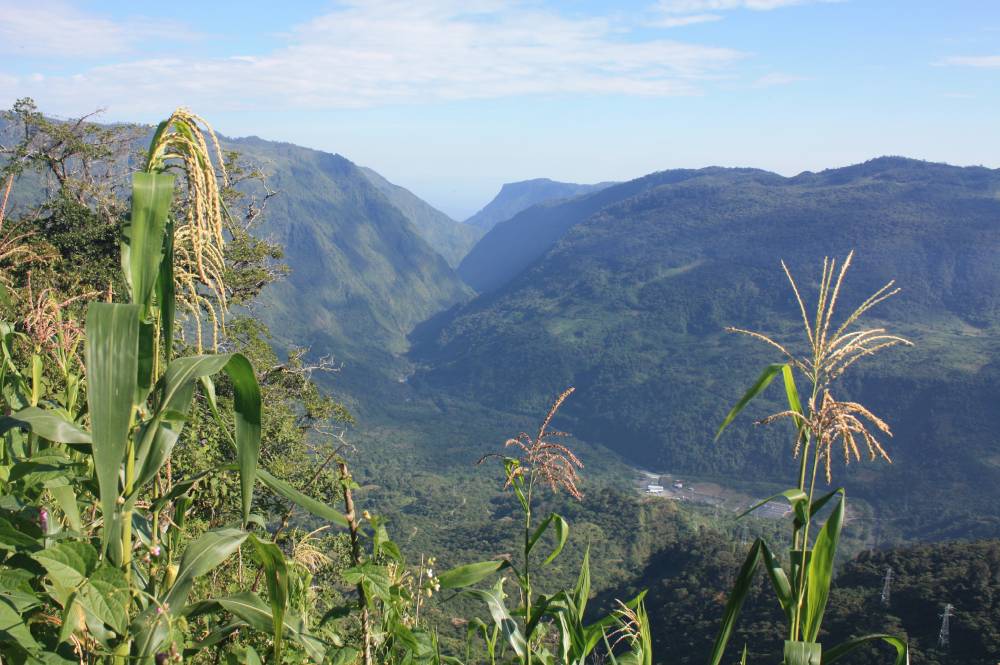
<point x="452" y="98"/>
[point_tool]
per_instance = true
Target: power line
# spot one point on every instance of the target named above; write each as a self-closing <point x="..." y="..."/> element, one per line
<point x="943" y="637"/>
<point x="887" y="586"/>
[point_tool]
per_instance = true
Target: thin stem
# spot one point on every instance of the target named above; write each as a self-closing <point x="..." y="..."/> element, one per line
<point x="527" y="569"/>
<point x="353" y="526"/>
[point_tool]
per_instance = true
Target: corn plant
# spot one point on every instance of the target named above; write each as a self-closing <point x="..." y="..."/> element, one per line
<point x="543" y="462"/>
<point x="820" y="424"/>
<point x="95" y="562"/>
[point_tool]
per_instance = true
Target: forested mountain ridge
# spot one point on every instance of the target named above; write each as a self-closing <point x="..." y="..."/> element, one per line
<point x="630" y="306"/>
<point x="362" y="275"/>
<point x="513" y="245"/>
<point x="514" y="197"/>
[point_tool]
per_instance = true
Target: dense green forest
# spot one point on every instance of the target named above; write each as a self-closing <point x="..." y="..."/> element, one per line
<point x="369" y="506"/>
<point x="629" y="291"/>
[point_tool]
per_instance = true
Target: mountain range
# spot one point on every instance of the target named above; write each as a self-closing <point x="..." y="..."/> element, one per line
<point x="626" y="293"/>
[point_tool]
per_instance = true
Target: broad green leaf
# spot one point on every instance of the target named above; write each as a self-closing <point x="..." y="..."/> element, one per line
<point x="65" y="496"/>
<point x="796" y="499"/>
<point x="13" y="539"/>
<point x="107" y="596"/>
<point x="736" y="597"/>
<point x="251" y="608"/>
<point x="13" y="629"/>
<point x="68" y="565"/>
<point x="763" y="381"/>
<point x="820" y="574"/>
<point x="152" y="194"/>
<point x="112" y="360"/>
<point x="562" y="533"/>
<point x="470" y="573"/>
<point x="272" y="560"/>
<point x="161" y="434"/>
<point x="779" y="580"/>
<point x="841" y="650"/>
<point x="501" y="617"/>
<point x="581" y="592"/>
<point x="803" y="653"/>
<point x="201" y="557"/>
<point x="46" y="424"/>
<point x="317" y="508"/>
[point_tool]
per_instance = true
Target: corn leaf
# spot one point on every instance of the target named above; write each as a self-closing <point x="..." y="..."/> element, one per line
<point x="841" y="650"/>
<point x="562" y="534"/>
<point x="763" y="381"/>
<point x="820" y="573"/>
<point x="272" y="560"/>
<point x="46" y="424"/>
<point x="317" y="508"/>
<point x="470" y="573"/>
<point x="112" y="361"/>
<point x="152" y="194"/>
<point x="739" y="593"/>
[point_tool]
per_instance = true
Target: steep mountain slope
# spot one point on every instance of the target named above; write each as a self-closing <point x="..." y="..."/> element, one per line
<point x="630" y="306"/>
<point x="512" y="246"/>
<point x="449" y="238"/>
<point x="362" y="276"/>
<point x="517" y="196"/>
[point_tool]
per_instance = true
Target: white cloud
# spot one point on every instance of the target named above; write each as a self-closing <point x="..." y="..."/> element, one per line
<point x="983" y="61"/>
<point x="777" y="78"/>
<point x="369" y="53"/>
<point x="680" y="21"/>
<point x="49" y="29"/>
<point x="701" y="6"/>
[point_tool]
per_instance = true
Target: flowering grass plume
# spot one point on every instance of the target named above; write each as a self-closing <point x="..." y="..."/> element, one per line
<point x="831" y="350"/>
<point x="540" y="457"/>
<point x="199" y="244"/>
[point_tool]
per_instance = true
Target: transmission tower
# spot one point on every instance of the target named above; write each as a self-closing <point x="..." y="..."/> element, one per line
<point x="943" y="635"/>
<point x="887" y="586"/>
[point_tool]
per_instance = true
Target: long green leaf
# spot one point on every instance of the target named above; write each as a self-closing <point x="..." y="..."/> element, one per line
<point x="562" y="534"/>
<point x="165" y="296"/>
<point x="581" y="591"/>
<point x="841" y="650"/>
<point x="739" y="593"/>
<point x="45" y="424"/>
<point x="177" y="392"/>
<point x="112" y="360"/>
<point x="820" y="574"/>
<point x="763" y="381"/>
<point x="470" y="573"/>
<point x="272" y="560"/>
<point x="201" y="557"/>
<point x="501" y="617"/>
<point x="779" y="580"/>
<point x="317" y="508"/>
<point x="796" y="499"/>
<point x="152" y="194"/>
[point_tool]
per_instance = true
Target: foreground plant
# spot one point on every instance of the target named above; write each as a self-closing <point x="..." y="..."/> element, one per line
<point x="541" y="461"/>
<point x="824" y="422"/>
<point x="96" y="564"/>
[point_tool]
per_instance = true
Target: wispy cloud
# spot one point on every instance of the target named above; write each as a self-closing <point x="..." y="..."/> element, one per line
<point x="368" y="53"/>
<point x="680" y="21"/>
<point x="675" y="13"/>
<point x="58" y="30"/>
<point x="984" y="61"/>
